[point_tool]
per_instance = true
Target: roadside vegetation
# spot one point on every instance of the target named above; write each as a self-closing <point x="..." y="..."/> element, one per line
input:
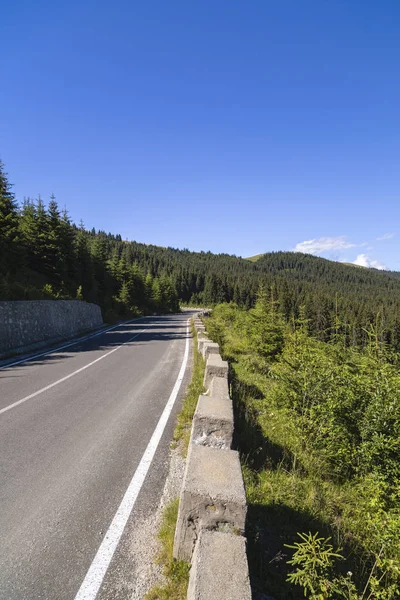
<point x="318" y="429"/>
<point x="176" y="572"/>
<point x="195" y="388"/>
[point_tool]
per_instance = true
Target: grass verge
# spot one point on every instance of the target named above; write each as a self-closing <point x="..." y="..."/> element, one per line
<point x="176" y="572"/>
<point x="195" y="388"/>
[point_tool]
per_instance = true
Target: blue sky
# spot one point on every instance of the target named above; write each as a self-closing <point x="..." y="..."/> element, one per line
<point x="238" y="127"/>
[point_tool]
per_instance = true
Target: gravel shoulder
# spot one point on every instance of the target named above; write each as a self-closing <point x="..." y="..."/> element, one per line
<point x="145" y="543"/>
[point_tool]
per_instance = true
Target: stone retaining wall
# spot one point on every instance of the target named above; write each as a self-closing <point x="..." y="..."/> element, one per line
<point x="212" y="508"/>
<point x="24" y="323"/>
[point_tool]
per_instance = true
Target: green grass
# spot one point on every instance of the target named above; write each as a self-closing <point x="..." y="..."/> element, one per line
<point x="195" y="388"/>
<point x="353" y="265"/>
<point x="176" y="572"/>
<point x="254" y="258"/>
<point x="291" y="485"/>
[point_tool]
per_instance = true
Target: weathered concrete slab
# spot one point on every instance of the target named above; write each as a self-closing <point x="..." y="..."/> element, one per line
<point x="219" y="568"/>
<point x="215" y="367"/>
<point x="209" y="348"/>
<point x="199" y="327"/>
<point x="202" y="337"/>
<point x="212" y="496"/>
<point x="213" y="423"/>
<point x="200" y="344"/>
<point x="219" y="388"/>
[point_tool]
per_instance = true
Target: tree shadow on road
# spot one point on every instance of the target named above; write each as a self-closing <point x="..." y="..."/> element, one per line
<point x="156" y="329"/>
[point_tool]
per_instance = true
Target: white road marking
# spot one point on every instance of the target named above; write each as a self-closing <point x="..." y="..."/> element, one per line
<point x="48" y="387"/>
<point x="75" y="343"/>
<point x="97" y="570"/>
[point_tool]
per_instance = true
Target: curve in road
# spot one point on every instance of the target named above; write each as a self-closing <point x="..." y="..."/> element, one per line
<point x="79" y="430"/>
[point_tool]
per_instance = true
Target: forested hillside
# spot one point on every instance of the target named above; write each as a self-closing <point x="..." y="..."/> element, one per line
<point x="44" y="255"/>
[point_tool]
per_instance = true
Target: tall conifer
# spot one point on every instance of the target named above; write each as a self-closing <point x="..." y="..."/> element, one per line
<point x="9" y="220"/>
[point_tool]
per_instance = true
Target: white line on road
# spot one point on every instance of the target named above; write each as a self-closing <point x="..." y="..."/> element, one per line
<point x="48" y="387"/>
<point x="75" y="343"/>
<point x="97" y="570"/>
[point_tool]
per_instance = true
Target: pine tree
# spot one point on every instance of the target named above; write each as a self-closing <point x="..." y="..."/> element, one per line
<point x="85" y="275"/>
<point x="124" y="298"/>
<point x="148" y="293"/>
<point x="268" y="325"/>
<point x="157" y="295"/>
<point x="137" y="287"/>
<point x="28" y="229"/>
<point x="113" y="263"/>
<point x="10" y="252"/>
<point x="43" y="259"/>
<point x="54" y="255"/>
<point x="67" y="237"/>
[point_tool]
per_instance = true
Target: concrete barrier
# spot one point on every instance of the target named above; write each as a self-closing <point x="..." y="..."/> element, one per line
<point x="215" y="367"/>
<point x="209" y="348"/>
<point x="212" y="507"/>
<point x="202" y="338"/>
<point x="219" y="388"/>
<point x="212" y="495"/>
<point x="213" y="423"/>
<point x="219" y="568"/>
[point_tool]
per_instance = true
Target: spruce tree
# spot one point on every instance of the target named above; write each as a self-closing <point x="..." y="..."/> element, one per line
<point x="10" y="251"/>
<point x="67" y="248"/>
<point x="54" y="254"/>
<point x="84" y="267"/>
<point x="268" y="325"/>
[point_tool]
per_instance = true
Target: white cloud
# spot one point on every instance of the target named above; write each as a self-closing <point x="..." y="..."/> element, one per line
<point x="324" y="244"/>
<point x="385" y="236"/>
<point x="363" y="260"/>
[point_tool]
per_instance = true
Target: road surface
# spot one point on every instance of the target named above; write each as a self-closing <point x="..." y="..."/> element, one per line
<point x="78" y="429"/>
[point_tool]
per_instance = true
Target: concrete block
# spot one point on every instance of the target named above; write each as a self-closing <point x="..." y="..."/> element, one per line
<point x="209" y="348"/>
<point x="212" y="497"/>
<point x="215" y="367"/>
<point x="213" y="423"/>
<point x="199" y="327"/>
<point x="202" y="337"/>
<point x="219" y="568"/>
<point x="200" y="344"/>
<point x="219" y="388"/>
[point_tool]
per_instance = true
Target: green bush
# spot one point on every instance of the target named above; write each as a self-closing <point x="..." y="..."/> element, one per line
<point x="319" y="434"/>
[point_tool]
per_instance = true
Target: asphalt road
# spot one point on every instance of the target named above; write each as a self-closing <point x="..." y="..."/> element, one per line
<point x="69" y="451"/>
